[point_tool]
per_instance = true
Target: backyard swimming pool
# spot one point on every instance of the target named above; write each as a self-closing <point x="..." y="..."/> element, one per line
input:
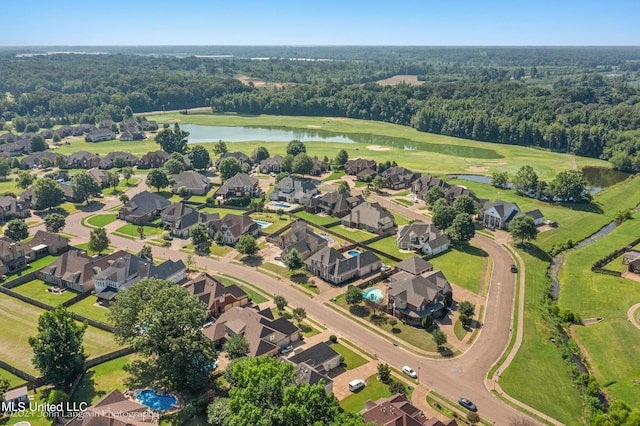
<point x="280" y="205"/>
<point x="263" y="224"/>
<point x="353" y="253"/>
<point x="153" y="400"/>
<point x="373" y="294"/>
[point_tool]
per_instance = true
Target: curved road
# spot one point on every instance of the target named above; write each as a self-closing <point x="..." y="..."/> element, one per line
<point x="461" y="376"/>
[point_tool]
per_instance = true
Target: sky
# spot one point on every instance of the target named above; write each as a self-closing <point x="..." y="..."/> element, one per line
<point x="329" y="22"/>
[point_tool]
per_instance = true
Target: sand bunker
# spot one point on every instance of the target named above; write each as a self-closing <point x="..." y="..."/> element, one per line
<point x="378" y="148"/>
<point x="477" y="169"/>
<point x="313" y="126"/>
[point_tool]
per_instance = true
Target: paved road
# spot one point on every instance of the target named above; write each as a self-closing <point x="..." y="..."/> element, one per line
<point x="462" y="376"/>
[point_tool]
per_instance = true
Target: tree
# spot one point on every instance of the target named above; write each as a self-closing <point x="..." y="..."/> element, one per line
<point x="218" y="238"/>
<point x="113" y="179"/>
<point x="247" y="245"/>
<point x="56" y="137"/>
<point x="189" y="262"/>
<point x="286" y="165"/>
<point x="24" y="180"/>
<point x="218" y="411"/>
<point x="384" y="373"/>
<point x="259" y="154"/>
<point x="4" y="167"/>
<point x="120" y="162"/>
<point x="439" y="338"/>
<point x="54" y="222"/>
<point x="434" y="194"/>
<point x="220" y="148"/>
<point x="378" y="183"/>
<point x="525" y="182"/>
<point x="157" y="178"/>
<point x="146" y="253"/>
<point x="85" y="186"/>
<point x="427" y="322"/>
<point x="500" y="179"/>
<point x="180" y="355"/>
<point x="302" y="164"/>
<point x="343" y="187"/>
<point x="354" y="295"/>
<point x="464" y="204"/>
<point x="229" y="167"/>
<point x="127" y="172"/>
<point x="342" y="158"/>
<point x="124" y="198"/>
<point x="466" y="310"/>
<point x="199" y="235"/>
<point x="45" y="163"/>
<point x="37" y="143"/>
<point x="236" y="346"/>
<point x="17" y="230"/>
<point x="293" y="260"/>
<point x="128" y="112"/>
<point x="280" y="302"/>
<point x="98" y="240"/>
<point x="60" y="161"/>
<point x="173" y="140"/>
<point x="462" y="228"/>
<point x="174" y="166"/>
<point x="296" y="147"/>
<point x="299" y="314"/>
<point x="523" y="228"/>
<point x="57" y="348"/>
<point x="443" y="214"/>
<point x="199" y="157"/>
<point x="366" y="192"/>
<point x="397" y="387"/>
<point x="47" y="193"/>
<point x="4" y="387"/>
<point x="570" y="186"/>
<point x="15" y="163"/>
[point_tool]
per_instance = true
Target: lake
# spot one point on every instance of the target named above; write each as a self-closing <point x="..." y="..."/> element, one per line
<point x="601" y="177"/>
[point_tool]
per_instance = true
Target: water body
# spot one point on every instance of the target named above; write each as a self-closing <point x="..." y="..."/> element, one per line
<point x="602" y="177"/>
<point x="476" y="178"/>
<point x="201" y="134"/>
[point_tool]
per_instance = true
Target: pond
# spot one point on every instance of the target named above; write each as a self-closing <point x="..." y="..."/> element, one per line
<point x="200" y="134"/>
<point x="476" y="178"/>
<point x="602" y="177"/>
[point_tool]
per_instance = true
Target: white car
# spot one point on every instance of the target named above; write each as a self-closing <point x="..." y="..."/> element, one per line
<point x="409" y="371"/>
<point x="385" y="268"/>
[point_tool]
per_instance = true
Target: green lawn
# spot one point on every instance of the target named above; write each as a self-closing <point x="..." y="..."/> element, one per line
<point x="222" y="211"/>
<point x="202" y="198"/>
<point x="254" y="295"/>
<point x="102" y="379"/>
<point x="101" y="220"/>
<point x="12" y="378"/>
<point x="131" y="231"/>
<point x="85" y="247"/>
<point x="351" y="359"/>
<point x="123" y="186"/>
<point x="336" y="174"/>
<point x="402" y="202"/>
<point x="462" y="266"/>
<point x="37" y="289"/>
<point x="355" y="234"/>
<point x="34" y="266"/>
<point x="87" y="307"/>
<point x="374" y="390"/>
<point x="388" y="245"/>
<point x="459" y="330"/>
<point x="277" y="222"/>
<point x="400" y="220"/>
<point x="316" y="219"/>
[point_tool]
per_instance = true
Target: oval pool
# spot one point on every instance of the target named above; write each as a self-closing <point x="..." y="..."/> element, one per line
<point x="373" y="294"/>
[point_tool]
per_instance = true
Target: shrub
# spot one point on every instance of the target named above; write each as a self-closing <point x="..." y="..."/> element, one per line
<point x="333" y="338"/>
<point x="183" y="192"/>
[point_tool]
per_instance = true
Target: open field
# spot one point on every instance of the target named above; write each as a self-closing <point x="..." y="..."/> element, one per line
<point x="596" y="295"/>
<point x="37" y="289"/>
<point x="462" y="265"/>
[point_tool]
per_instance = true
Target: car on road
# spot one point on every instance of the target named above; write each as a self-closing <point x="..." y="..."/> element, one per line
<point x="514" y="268"/>
<point x="467" y="404"/>
<point x="409" y="371"/>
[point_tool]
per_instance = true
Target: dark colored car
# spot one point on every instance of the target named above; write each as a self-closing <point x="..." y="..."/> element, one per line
<point x="514" y="269"/>
<point x="467" y="404"/>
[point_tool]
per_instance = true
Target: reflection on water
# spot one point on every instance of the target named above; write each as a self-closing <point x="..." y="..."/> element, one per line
<point x="601" y="177"/>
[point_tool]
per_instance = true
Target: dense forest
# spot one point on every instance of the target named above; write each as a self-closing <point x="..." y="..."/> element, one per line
<point x="580" y="100"/>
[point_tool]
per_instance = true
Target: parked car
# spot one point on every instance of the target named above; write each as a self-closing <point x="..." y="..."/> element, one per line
<point x="385" y="268"/>
<point x="356" y="385"/>
<point x="409" y="371"/>
<point x="277" y="257"/>
<point x="467" y="404"/>
<point x="514" y="268"/>
<point x="286" y="349"/>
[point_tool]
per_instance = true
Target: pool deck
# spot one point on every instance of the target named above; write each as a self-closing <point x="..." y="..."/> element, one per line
<point x="275" y="205"/>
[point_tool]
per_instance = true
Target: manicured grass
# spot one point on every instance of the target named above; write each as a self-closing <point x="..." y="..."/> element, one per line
<point x="336" y="174"/>
<point x="12" y="378"/>
<point x="462" y="265"/>
<point x="87" y="307"/>
<point x="131" y="231"/>
<point x="374" y="390"/>
<point x="388" y="245"/>
<point x="85" y="247"/>
<point x="254" y="295"/>
<point x="122" y="186"/>
<point x="548" y="388"/>
<point x="402" y="201"/>
<point x="316" y="219"/>
<point x="34" y="266"/>
<point x="277" y="222"/>
<point x="351" y="358"/>
<point x="610" y="342"/>
<point x="222" y="211"/>
<point x="101" y="220"/>
<point x="459" y="330"/>
<point x="353" y="233"/>
<point x="616" y="265"/>
<point x="202" y="198"/>
<point x="37" y="289"/>
<point x="102" y="379"/>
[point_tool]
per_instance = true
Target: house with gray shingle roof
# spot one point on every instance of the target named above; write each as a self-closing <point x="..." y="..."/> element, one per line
<point x="414" y="265"/>
<point x="240" y="156"/>
<point x="239" y="186"/>
<point x="294" y="190"/>
<point x="422" y="237"/>
<point x="371" y="217"/>
<point x="412" y="297"/>
<point x="107" y="161"/>
<point x="83" y="160"/>
<point x="399" y="177"/>
<point x="421" y="186"/>
<point x="33" y="160"/>
<point x="180" y="218"/>
<point x="153" y="160"/>
<point x="334" y="203"/>
<point x="143" y="207"/>
<point x="232" y="227"/>
<point x="100" y="135"/>
<point x="218" y="297"/>
<point x="302" y="238"/>
<point x="271" y="164"/>
<point x="196" y="183"/>
<point x="499" y="213"/>
<point x="357" y="165"/>
<point x="313" y="365"/>
<point x="332" y="266"/>
<point x="11" y="208"/>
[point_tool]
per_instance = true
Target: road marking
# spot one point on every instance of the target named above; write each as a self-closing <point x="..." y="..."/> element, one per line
<point x="456" y="370"/>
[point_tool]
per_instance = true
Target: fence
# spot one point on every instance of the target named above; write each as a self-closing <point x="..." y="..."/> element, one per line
<point x="20" y="280"/>
<point x="598" y="265"/>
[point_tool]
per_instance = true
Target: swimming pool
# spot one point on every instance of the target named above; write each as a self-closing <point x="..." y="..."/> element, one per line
<point x="353" y="253"/>
<point x="281" y="205"/>
<point x="151" y="399"/>
<point x="263" y="224"/>
<point x="373" y="294"/>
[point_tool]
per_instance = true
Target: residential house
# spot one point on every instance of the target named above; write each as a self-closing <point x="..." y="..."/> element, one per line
<point x="100" y="135"/>
<point x="133" y="128"/>
<point x="302" y="238"/>
<point x="16" y="399"/>
<point x="371" y="217"/>
<point x="271" y="164"/>
<point x="83" y="160"/>
<point x="632" y="259"/>
<point x="318" y="168"/>
<point x="46" y="134"/>
<point x="414" y="265"/>
<point x="423" y="184"/>
<point x="11" y="208"/>
<point x="232" y="227"/>
<point x="314" y="364"/>
<point x="67" y="189"/>
<point x="422" y="237"/>
<point x="82" y="129"/>
<point x="44" y="243"/>
<point x="31" y="161"/>
<point x="397" y="410"/>
<point x="64" y="131"/>
<point x="107" y="162"/>
<point x="334" y="203"/>
<point x="153" y="160"/>
<point x="143" y="207"/>
<point x="62" y="176"/>
<point x="12" y="256"/>
<point x="115" y="409"/>
<point x="453" y="192"/>
<point x="366" y="175"/>
<point x="106" y="124"/>
<point x="239" y="186"/>
<point x="17" y="148"/>
<point x="536" y="215"/>
<point x="180" y="218"/>
<point x="100" y="176"/>
<point x="399" y="177"/>
<point x="240" y="156"/>
<point x="294" y="190"/>
<point x="265" y="334"/>
<point x="218" y="297"/>
<point x="357" y="165"/>
<point x="333" y="267"/>
<point x="196" y="183"/>
<point x="412" y="297"/>
<point x="148" y="125"/>
<point x="499" y="213"/>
